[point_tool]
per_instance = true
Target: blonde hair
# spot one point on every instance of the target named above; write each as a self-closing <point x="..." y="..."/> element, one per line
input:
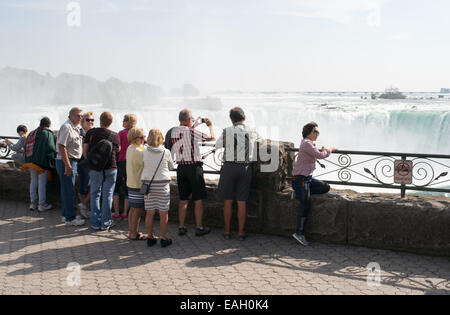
<point x="134" y="134"/>
<point x="88" y="114"/>
<point x="132" y="119"/>
<point x="155" y="138"/>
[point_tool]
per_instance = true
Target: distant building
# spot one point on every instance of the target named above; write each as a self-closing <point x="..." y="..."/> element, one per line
<point x="445" y="90"/>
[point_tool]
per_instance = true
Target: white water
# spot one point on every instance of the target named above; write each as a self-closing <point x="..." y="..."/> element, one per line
<point x="346" y="121"/>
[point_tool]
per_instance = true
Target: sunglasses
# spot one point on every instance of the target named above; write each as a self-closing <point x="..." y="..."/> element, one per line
<point x="78" y="115"/>
<point x="141" y="137"/>
<point x="316" y="132"/>
<point x="89" y="120"/>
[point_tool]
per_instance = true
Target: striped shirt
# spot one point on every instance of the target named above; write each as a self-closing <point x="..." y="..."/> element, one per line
<point x="185" y="142"/>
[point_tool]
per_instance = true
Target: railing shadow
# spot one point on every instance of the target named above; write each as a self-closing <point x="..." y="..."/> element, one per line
<point x="113" y="251"/>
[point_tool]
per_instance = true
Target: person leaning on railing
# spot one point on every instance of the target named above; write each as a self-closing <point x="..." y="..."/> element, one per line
<point x="303" y="183"/>
<point x="19" y="147"/>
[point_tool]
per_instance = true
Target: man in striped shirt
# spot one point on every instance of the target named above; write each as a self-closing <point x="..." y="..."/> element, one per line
<point x="185" y="140"/>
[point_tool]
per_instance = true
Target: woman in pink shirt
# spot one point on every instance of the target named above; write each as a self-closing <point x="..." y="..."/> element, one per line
<point x="303" y="183"/>
<point x="129" y="121"/>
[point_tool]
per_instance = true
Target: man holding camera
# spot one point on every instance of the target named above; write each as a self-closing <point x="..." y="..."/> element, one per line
<point x="185" y="140"/>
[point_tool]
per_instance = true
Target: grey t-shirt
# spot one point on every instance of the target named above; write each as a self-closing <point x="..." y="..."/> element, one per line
<point x="239" y="143"/>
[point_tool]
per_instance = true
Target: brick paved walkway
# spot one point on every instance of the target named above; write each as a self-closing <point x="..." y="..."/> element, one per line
<point x="35" y="250"/>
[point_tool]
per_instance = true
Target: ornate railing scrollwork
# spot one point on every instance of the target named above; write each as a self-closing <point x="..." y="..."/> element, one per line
<point x="377" y="169"/>
<point x="384" y="169"/>
<point x="344" y="160"/>
<point x="422" y="172"/>
<point x="5" y="151"/>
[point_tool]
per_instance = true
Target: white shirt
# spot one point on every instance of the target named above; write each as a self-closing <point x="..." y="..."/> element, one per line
<point x="151" y="158"/>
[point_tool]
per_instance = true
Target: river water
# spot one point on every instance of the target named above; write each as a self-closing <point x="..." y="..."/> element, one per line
<point x="347" y="121"/>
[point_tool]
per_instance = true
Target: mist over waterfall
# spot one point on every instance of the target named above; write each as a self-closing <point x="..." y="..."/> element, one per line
<point x="27" y="88"/>
<point x="347" y="121"/>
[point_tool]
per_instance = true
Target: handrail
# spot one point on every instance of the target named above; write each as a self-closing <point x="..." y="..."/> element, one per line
<point x="380" y="167"/>
<point x="419" y="155"/>
<point x="377" y="170"/>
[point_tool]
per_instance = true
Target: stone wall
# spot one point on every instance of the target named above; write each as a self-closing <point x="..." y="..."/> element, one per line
<point x="415" y="224"/>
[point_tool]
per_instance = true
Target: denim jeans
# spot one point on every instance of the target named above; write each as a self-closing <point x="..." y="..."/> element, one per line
<point x="67" y="189"/>
<point x="38" y="187"/>
<point x="304" y="187"/>
<point x="83" y="177"/>
<point x="102" y="184"/>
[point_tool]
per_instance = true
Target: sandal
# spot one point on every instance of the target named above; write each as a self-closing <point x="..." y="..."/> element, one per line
<point x="139" y="237"/>
<point x="124" y="217"/>
<point x="227" y="236"/>
<point x="242" y="237"/>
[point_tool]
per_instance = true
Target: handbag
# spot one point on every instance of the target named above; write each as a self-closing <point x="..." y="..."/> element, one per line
<point x="145" y="188"/>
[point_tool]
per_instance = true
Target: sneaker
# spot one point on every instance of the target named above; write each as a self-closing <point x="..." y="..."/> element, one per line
<point x="63" y="219"/>
<point x="45" y="207"/>
<point x="165" y="243"/>
<point x="76" y="222"/>
<point x="83" y="210"/>
<point x="33" y="206"/>
<point x="202" y="231"/>
<point x="301" y="239"/>
<point x="152" y="241"/>
<point x="95" y="228"/>
<point x="108" y="226"/>
<point x="182" y="231"/>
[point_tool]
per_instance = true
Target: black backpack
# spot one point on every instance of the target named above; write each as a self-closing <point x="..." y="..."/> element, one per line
<point x="168" y="140"/>
<point x="99" y="157"/>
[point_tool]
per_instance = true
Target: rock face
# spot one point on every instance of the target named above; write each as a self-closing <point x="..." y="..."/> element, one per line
<point x="415" y="224"/>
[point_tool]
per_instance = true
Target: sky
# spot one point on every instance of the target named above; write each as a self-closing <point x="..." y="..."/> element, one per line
<point x="247" y="45"/>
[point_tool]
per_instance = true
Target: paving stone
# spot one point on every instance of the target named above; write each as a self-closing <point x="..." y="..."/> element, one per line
<point x="35" y="251"/>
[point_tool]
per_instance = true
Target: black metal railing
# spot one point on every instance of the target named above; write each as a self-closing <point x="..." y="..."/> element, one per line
<point x="427" y="172"/>
<point x="5" y="152"/>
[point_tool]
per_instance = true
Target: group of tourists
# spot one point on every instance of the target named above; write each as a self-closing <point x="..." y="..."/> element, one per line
<point x="138" y="166"/>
